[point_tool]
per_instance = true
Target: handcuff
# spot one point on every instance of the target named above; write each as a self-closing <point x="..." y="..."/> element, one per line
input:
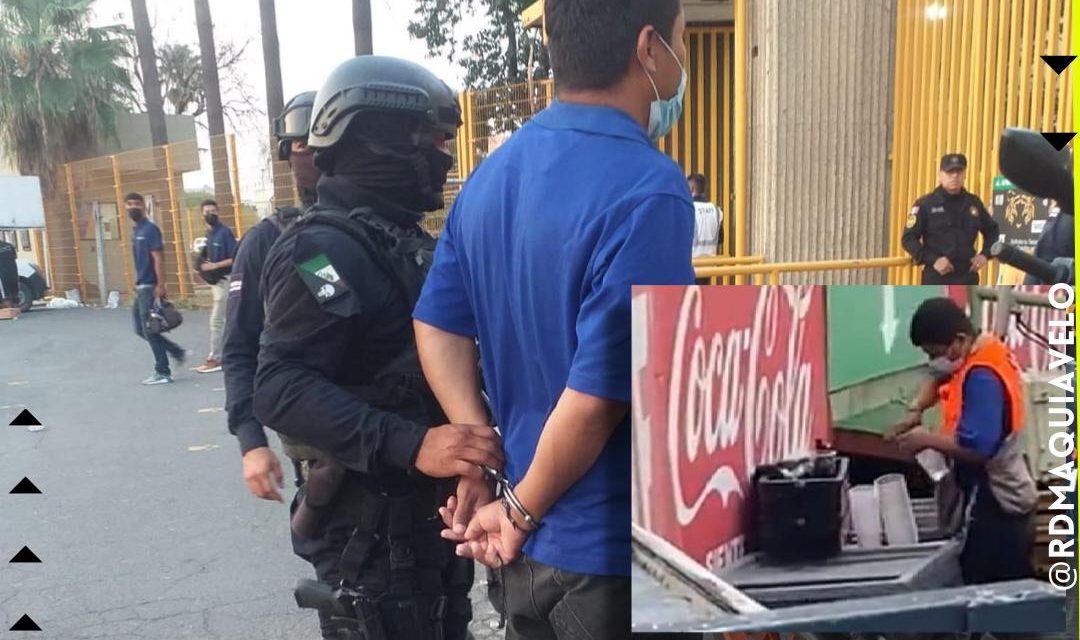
<point x="511" y="501"/>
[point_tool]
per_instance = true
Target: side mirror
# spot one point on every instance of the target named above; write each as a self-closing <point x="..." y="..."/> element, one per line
<point x="1029" y="162"/>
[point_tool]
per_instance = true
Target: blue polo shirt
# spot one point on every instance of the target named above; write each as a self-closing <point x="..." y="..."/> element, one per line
<point x="536" y="261"/>
<point x="145" y="238"/>
<point x="220" y="243"/>
<point x="984" y="420"/>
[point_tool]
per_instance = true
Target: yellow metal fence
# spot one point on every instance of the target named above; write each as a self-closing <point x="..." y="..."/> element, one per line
<point x="963" y="74"/>
<point x="88" y="202"/>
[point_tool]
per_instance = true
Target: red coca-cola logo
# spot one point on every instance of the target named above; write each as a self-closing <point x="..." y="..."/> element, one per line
<point x="735" y="378"/>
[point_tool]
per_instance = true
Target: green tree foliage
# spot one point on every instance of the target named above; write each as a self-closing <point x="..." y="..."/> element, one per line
<point x="62" y="82"/>
<point x="500" y="53"/>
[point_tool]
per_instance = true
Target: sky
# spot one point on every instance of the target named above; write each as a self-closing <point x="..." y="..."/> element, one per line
<point x="314" y="37"/>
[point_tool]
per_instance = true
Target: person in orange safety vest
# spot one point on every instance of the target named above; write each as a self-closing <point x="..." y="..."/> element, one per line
<point x="978" y="386"/>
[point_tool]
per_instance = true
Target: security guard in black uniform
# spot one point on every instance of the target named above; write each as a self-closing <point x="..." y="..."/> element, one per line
<point x="338" y="367"/>
<point x="942" y="226"/>
<point x="244" y="312"/>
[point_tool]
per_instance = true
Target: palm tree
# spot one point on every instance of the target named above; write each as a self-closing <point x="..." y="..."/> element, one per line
<point x="62" y="82"/>
<point x="362" y="26"/>
<point x="275" y="100"/>
<point x="215" y="116"/>
<point x="151" y="84"/>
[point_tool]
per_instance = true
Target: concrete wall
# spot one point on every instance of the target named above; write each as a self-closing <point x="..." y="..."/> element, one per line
<point x="698" y="11"/>
<point x="820" y="83"/>
<point x="133" y="132"/>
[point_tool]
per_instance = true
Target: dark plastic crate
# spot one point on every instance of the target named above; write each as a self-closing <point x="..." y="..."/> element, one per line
<point x="800" y="518"/>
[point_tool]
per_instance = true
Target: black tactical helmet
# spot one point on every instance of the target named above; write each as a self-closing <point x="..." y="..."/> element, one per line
<point x="382" y="84"/>
<point x="294" y="122"/>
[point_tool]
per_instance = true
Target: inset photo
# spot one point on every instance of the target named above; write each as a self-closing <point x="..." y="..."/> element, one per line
<point x="852" y="458"/>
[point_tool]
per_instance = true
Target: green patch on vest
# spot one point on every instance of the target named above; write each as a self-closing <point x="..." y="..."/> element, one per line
<point x="322" y="278"/>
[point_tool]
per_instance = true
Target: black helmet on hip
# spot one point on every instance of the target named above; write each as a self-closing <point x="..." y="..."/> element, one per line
<point x="294" y="122"/>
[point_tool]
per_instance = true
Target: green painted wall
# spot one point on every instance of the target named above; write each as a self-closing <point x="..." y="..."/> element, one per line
<point x="868" y="331"/>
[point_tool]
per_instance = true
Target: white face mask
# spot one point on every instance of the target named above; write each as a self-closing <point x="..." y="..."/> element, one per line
<point x="943" y="368"/>
<point x="663" y="114"/>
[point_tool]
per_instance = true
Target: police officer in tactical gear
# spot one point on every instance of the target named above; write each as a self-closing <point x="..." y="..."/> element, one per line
<point x="338" y="367"/>
<point x="942" y="227"/>
<point x="291" y="130"/>
<point x="244" y="311"/>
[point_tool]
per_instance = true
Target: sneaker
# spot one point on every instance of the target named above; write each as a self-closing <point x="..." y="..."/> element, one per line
<point x="180" y="357"/>
<point x="158" y="378"/>
<point x="211" y="366"/>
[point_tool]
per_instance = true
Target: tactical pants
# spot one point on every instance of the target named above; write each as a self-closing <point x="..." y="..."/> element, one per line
<point x="441" y="581"/>
<point x="546" y="603"/>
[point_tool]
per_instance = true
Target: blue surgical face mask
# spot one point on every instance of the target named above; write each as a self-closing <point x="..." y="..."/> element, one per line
<point x="663" y="114"/>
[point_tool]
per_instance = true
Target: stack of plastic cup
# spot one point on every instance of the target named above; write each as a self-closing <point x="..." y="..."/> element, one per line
<point x="897" y="514"/>
<point x="866" y="516"/>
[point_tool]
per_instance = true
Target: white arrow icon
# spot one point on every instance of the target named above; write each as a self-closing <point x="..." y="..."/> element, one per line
<point x="889" y="321"/>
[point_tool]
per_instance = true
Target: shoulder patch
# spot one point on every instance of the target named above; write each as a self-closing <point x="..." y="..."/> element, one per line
<point x="912" y="218"/>
<point x="322" y="278"/>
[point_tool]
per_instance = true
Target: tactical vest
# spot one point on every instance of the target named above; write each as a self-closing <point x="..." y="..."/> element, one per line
<point x="404" y="256"/>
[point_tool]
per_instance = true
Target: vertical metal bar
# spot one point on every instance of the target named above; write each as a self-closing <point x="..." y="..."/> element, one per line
<point x="902" y="117"/>
<point x="725" y="42"/>
<point x="949" y="114"/>
<point x="125" y="241"/>
<point x="182" y="274"/>
<point x="99" y="246"/>
<point x="699" y="70"/>
<point x="235" y="167"/>
<point x="741" y="106"/>
<point x="1026" y="64"/>
<point x="1038" y="69"/>
<point x="1052" y="48"/>
<point x="976" y="143"/>
<point x="75" y="231"/>
<point x="1014" y="44"/>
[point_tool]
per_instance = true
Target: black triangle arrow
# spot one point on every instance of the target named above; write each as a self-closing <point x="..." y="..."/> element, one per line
<point x="25" y="624"/>
<point x="1058" y="63"/>
<point x="25" y="486"/>
<point x="25" y="555"/>
<point x="1058" y="140"/>
<point x="25" y="419"/>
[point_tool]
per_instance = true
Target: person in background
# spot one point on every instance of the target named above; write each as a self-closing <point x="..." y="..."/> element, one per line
<point x="979" y="387"/>
<point x="244" y="312"/>
<point x="708" y="219"/>
<point x="9" y="275"/>
<point x="220" y="250"/>
<point x="149" y="256"/>
<point x="942" y="227"/>
<point x="538" y="270"/>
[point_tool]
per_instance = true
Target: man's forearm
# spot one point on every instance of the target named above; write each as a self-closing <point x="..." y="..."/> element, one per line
<point x="159" y="268"/>
<point x="450" y="367"/>
<point x="573" y="438"/>
<point x="954" y="450"/>
<point x="926" y="397"/>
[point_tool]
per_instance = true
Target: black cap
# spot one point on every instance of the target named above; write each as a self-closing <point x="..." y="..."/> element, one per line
<point x="951" y="161"/>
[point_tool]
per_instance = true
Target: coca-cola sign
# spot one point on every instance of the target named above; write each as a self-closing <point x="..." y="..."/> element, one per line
<point x="725" y="379"/>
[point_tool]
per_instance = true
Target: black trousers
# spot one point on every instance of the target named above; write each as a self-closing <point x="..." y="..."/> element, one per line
<point x="998" y="544"/>
<point x="545" y="603"/>
<point x="439" y="573"/>
<point x="929" y="276"/>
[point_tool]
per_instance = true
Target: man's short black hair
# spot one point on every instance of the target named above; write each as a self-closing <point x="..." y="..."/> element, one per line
<point x="592" y="42"/>
<point x="699" y="181"/>
<point x="208" y="203"/>
<point x="137" y="197"/>
<point x="938" y="321"/>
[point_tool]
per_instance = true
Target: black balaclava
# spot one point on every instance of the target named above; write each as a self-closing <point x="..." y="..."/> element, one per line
<point x="381" y="153"/>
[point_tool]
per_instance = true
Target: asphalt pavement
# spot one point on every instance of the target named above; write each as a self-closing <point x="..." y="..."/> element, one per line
<point x="144" y="527"/>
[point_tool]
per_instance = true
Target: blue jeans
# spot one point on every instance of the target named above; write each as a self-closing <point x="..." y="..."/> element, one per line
<point x="159" y="344"/>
